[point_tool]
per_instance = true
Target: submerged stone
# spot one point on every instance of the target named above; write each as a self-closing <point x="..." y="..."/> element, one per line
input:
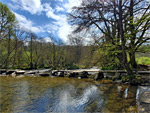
<point x="98" y="76"/>
<point x="145" y="97"/>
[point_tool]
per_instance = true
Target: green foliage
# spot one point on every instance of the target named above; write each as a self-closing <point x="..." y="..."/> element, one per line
<point x="144" y="48"/>
<point x="109" y="68"/>
<point x="7" y="18"/>
<point x="71" y="66"/>
<point x="107" y="56"/>
<point x="128" y="78"/>
<point x="74" y="67"/>
<point x="15" y="67"/>
<point x="143" y="60"/>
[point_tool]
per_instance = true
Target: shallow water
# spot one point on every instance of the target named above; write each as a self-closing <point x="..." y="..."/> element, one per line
<point x="45" y="94"/>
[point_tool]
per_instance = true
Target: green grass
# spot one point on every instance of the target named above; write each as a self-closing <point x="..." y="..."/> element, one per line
<point x="143" y="60"/>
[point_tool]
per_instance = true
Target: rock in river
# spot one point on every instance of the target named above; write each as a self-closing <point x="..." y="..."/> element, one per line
<point x="83" y="74"/>
<point x="60" y="74"/>
<point x="145" y="98"/>
<point x="99" y="76"/>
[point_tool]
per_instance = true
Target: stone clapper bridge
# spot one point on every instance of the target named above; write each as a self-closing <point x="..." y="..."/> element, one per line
<point x="79" y="73"/>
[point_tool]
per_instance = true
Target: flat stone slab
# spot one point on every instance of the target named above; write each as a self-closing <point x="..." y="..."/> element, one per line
<point x="103" y="71"/>
<point x="44" y="70"/>
<point x="9" y="72"/>
<point x="19" y="72"/>
<point x="31" y="72"/>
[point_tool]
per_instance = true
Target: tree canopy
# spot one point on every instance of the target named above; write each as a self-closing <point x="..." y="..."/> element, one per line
<point x="7" y="20"/>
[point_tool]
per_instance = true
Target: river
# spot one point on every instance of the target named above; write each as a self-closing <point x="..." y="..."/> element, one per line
<point x="45" y="94"/>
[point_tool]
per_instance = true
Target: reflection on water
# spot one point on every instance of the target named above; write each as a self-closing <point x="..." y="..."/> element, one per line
<point x="41" y="94"/>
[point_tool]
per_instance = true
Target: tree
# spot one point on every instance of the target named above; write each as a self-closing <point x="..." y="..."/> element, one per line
<point x="18" y="46"/>
<point x="7" y="20"/>
<point x="119" y="21"/>
<point x="77" y="42"/>
<point x="7" y="23"/>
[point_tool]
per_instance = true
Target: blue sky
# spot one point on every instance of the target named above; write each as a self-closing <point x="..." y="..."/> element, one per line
<point x="44" y="17"/>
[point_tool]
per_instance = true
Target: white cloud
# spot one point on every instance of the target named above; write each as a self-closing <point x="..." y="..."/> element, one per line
<point x="28" y="24"/>
<point x="71" y="4"/>
<point x="64" y="28"/>
<point x="15" y="7"/>
<point x="50" y="27"/>
<point x="46" y="7"/>
<point x="50" y="12"/>
<point x="32" y="6"/>
<point x="47" y="39"/>
<point x="60" y="26"/>
<point x="58" y="9"/>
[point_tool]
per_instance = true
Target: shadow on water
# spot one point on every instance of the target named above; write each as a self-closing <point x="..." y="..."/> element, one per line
<point x="65" y="95"/>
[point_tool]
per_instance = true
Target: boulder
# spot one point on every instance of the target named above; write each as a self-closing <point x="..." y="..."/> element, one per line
<point x="108" y="75"/>
<point x="117" y="76"/>
<point x="118" y="81"/>
<point x="74" y="74"/>
<point x="13" y="74"/>
<point x="60" y="73"/>
<point x="55" y="73"/>
<point x="83" y="74"/>
<point x="9" y="72"/>
<point x="145" y="97"/>
<point x="98" y="76"/>
<point x="66" y="74"/>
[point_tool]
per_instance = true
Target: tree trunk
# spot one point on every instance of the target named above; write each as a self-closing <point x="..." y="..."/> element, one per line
<point x="16" y="49"/>
<point x="132" y="60"/>
<point x="125" y="62"/>
<point x="132" y="38"/>
<point x="120" y="56"/>
<point x="31" y="63"/>
<point x="8" y="49"/>
<point x="54" y="56"/>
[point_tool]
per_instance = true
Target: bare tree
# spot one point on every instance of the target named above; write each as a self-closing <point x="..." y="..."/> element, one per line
<point x="77" y="42"/>
<point x="119" y="21"/>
